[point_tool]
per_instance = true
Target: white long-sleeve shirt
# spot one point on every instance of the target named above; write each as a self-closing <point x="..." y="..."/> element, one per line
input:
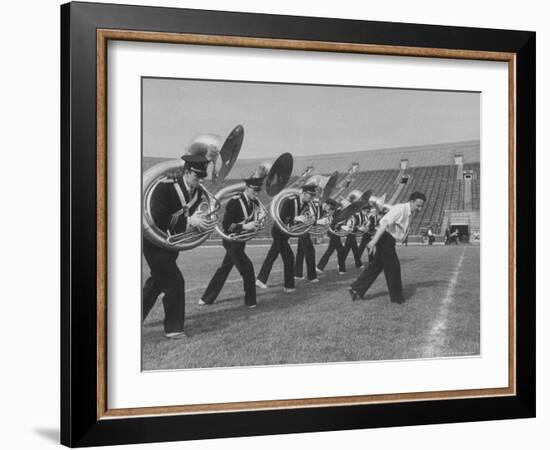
<point x="398" y="219"/>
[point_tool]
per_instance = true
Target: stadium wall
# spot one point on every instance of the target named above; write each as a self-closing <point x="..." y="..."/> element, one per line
<point x="430" y="169"/>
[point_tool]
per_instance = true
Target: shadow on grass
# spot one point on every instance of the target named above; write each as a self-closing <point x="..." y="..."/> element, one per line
<point x="409" y="290"/>
<point x="227" y="311"/>
<point x="406" y="260"/>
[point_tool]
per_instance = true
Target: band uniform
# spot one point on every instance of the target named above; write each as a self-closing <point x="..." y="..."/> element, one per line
<point x="240" y="214"/>
<point x="306" y="250"/>
<point x="173" y="205"/>
<point x="335" y="244"/>
<point x="351" y="239"/>
<point x="291" y="208"/>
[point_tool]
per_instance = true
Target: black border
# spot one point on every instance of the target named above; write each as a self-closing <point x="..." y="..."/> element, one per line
<point x="79" y="426"/>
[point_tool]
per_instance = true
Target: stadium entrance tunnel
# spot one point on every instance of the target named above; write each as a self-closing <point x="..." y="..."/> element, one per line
<point x="464" y="232"/>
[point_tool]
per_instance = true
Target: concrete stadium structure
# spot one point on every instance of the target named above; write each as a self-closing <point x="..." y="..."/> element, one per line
<point x="449" y="175"/>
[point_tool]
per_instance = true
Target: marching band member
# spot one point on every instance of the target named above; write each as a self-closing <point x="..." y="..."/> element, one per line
<point x="292" y="212"/>
<point x="351" y="240"/>
<point x="306" y="250"/>
<point x="174" y="205"/>
<point x="334" y="243"/>
<point x="354" y="223"/>
<point x="241" y="215"/>
<point x="370" y="222"/>
<point x="393" y="226"/>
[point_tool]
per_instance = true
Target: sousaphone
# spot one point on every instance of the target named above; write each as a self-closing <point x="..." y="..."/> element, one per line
<point x="293" y="230"/>
<point x="325" y="186"/>
<point x="223" y="158"/>
<point x="277" y="176"/>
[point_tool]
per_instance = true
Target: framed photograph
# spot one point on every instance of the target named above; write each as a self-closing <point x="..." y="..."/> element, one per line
<point x="279" y="224"/>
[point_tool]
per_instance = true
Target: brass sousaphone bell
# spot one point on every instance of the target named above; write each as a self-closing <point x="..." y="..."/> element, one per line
<point x="293" y="230"/>
<point x="349" y="212"/>
<point x="222" y="159"/>
<point x="276" y="178"/>
<point x="325" y="186"/>
<point x="379" y="203"/>
<point x="339" y="219"/>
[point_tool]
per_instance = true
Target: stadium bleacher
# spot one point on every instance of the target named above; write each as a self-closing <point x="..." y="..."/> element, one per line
<point x="396" y="173"/>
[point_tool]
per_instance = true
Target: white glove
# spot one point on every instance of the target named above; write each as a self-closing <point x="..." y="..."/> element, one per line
<point x="300" y="219"/>
<point x="345" y="228"/>
<point x="323" y="221"/>
<point x="250" y="226"/>
<point x="194" y="220"/>
<point x="198" y="221"/>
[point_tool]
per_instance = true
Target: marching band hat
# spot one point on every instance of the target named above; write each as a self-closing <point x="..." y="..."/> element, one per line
<point x="332" y="202"/>
<point x="254" y="181"/>
<point x="309" y="187"/>
<point x="196" y="163"/>
<point x="257" y="178"/>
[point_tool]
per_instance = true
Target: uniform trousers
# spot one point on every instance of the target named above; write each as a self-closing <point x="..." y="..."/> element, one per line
<point x="364" y="241"/>
<point x="306" y="251"/>
<point x="280" y="246"/>
<point x="234" y="256"/>
<point x="334" y="244"/>
<point x="351" y="244"/>
<point x="384" y="259"/>
<point x="165" y="277"/>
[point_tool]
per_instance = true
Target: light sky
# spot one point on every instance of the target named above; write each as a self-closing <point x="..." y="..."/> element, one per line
<point x="302" y="119"/>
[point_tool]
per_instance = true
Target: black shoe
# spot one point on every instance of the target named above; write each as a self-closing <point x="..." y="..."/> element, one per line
<point x="399" y="301"/>
<point x="353" y="294"/>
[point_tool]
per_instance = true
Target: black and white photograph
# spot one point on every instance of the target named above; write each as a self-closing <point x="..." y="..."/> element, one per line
<point x="227" y="258"/>
<point x="287" y="224"/>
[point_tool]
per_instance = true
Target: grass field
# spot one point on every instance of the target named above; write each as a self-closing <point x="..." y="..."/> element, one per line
<point x="319" y="323"/>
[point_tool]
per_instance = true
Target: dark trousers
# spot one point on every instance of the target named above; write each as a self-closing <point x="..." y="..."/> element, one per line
<point x="364" y="241"/>
<point x="306" y="251"/>
<point x="165" y="277"/>
<point x="334" y="244"/>
<point x="385" y="259"/>
<point x="351" y="244"/>
<point x="280" y="246"/>
<point x="234" y="256"/>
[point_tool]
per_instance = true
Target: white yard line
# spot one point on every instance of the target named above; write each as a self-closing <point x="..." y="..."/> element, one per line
<point x="439" y="327"/>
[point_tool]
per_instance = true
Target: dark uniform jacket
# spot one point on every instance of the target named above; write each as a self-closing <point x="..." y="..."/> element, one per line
<point x="238" y="211"/>
<point x="291" y="208"/>
<point x="167" y="210"/>
<point x="334" y="225"/>
<point x="358" y="220"/>
<point x="372" y="224"/>
<point x="316" y="209"/>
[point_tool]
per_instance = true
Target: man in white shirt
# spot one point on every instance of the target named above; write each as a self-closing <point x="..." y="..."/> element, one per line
<point x="393" y="226"/>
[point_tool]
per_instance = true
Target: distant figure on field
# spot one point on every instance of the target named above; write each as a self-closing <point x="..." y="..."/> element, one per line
<point x="454" y="236"/>
<point x="431" y="237"/>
